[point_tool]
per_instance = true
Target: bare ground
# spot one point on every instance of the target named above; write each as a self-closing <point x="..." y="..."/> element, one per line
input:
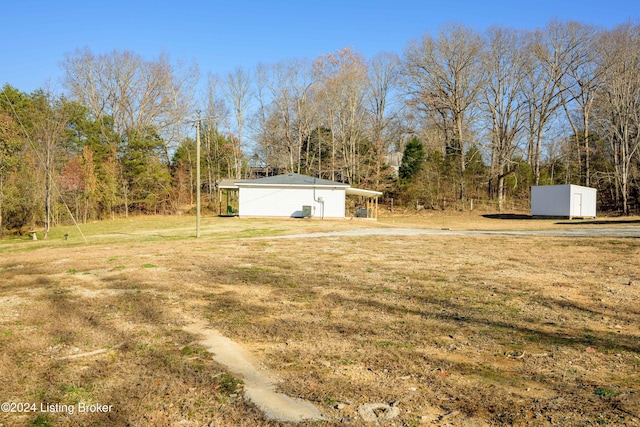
<point x="452" y="329"/>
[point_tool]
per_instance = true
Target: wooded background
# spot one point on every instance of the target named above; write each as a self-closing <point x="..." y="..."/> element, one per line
<point x="473" y="116"/>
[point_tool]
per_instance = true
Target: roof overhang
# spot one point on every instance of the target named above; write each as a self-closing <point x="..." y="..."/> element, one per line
<point x="360" y="192"/>
<point x="228" y="184"/>
<point x="232" y="184"/>
<point x="266" y="185"/>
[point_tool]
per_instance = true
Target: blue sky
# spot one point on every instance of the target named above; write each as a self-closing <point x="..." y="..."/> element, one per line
<point x="223" y="35"/>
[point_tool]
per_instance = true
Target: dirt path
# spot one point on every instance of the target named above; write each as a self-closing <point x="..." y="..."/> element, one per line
<point x="259" y="386"/>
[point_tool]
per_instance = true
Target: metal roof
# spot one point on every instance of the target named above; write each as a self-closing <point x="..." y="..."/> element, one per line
<point x="294" y="179"/>
<point x="361" y="192"/>
<point x="228" y="183"/>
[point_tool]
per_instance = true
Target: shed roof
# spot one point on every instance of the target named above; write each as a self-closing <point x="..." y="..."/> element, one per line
<point x="572" y="186"/>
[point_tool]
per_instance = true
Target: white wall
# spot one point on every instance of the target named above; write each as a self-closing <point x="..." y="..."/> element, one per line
<point x="583" y="201"/>
<point x="563" y="200"/>
<point x="288" y="201"/>
<point x="550" y="200"/>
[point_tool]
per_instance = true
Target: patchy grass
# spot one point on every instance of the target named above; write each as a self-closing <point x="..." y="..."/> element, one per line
<point x="497" y="330"/>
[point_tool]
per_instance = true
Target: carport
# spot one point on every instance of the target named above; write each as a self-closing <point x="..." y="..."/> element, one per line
<point x="368" y="206"/>
<point x="228" y="191"/>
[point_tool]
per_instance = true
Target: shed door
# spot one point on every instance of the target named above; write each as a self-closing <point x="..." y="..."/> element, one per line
<point x="576" y="205"/>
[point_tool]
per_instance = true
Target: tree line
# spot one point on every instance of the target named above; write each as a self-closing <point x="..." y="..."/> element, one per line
<point x="474" y="116"/>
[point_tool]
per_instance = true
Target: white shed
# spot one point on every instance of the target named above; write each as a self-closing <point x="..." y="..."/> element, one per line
<point x="294" y="195"/>
<point x="572" y="201"/>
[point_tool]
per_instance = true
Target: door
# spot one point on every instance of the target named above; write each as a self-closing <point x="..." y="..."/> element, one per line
<point x="576" y="204"/>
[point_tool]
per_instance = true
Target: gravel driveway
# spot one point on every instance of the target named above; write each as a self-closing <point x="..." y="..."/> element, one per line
<point x="631" y="232"/>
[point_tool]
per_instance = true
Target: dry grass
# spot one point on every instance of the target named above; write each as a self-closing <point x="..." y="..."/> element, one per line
<point x="468" y="330"/>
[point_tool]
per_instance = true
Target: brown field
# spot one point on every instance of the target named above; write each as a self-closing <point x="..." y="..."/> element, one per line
<point x="482" y="329"/>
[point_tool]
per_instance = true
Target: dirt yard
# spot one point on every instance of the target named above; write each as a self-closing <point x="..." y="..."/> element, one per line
<point x="450" y="329"/>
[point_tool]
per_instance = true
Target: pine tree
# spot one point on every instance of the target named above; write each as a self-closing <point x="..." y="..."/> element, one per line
<point x="412" y="160"/>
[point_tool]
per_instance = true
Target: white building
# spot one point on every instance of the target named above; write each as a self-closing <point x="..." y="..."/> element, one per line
<point x="572" y="201"/>
<point x="297" y="196"/>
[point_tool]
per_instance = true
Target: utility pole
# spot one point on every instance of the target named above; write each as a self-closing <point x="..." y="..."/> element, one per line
<point x="198" y="177"/>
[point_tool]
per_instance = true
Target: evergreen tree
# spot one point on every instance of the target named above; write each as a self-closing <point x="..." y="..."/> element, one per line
<point x="412" y="160"/>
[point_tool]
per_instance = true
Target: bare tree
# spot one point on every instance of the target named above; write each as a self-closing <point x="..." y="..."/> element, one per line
<point x="49" y="123"/>
<point x="445" y="76"/>
<point x="182" y="78"/>
<point x="238" y="91"/>
<point x="141" y="106"/>
<point x="342" y="80"/>
<point x="305" y="113"/>
<point x="327" y="105"/>
<point x="351" y="82"/>
<point x="278" y="82"/>
<point x="216" y="116"/>
<point x="384" y="73"/>
<point x="268" y="127"/>
<point x="551" y="51"/>
<point x="137" y="94"/>
<point x="504" y="61"/>
<point x="584" y="79"/>
<point x="284" y="90"/>
<point x="620" y="104"/>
